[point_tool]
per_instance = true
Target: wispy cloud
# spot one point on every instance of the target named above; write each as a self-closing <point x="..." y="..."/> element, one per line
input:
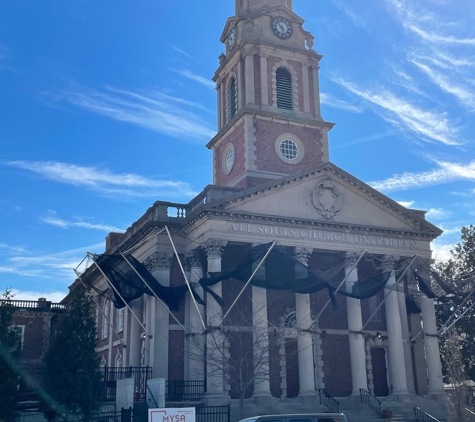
<point x="104" y="180"/>
<point x="407" y="204"/>
<point x="446" y="173"/>
<point x="427" y="125"/>
<point x="333" y="102"/>
<point x="357" y="19"/>
<point x="426" y="25"/>
<point x="370" y="138"/>
<point x="179" y="50"/>
<point x="197" y="78"/>
<point x="54" y="220"/>
<point x="52" y="296"/>
<point x="464" y="95"/>
<point x="438" y="214"/>
<point x="56" y="266"/>
<point x="151" y="110"/>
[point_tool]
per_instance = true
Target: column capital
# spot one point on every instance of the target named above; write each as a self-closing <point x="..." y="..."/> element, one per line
<point x="389" y="263"/>
<point x="192" y="259"/>
<point x="302" y="254"/>
<point x="249" y="51"/>
<point x="214" y="247"/>
<point x="158" y="261"/>
<point x="351" y="258"/>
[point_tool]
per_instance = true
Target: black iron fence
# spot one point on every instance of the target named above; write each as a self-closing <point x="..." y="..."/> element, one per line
<point x="371" y="401"/>
<point x="327" y="400"/>
<point x="185" y="391"/>
<point x="203" y="414"/>
<point x="213" y="414"/>
<point x="110" y="376"/>
<point x="422" y="416"/>
<point x="28" y="385"/>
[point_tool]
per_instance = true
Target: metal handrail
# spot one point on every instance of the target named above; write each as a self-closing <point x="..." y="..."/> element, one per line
<point x="371" y="401"/>
<point x="422" y="416"/>
<point x="328" y="401"/>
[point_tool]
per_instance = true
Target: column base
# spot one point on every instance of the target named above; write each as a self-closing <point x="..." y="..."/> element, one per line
<point x="263" y="394"/>
<point x="308" y="393"/>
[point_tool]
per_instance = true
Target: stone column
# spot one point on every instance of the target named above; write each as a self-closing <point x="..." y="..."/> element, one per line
<point x="264" y="81"/>
<point x="134" y="343"/>
<point x="355" y="325"/>
<point x="249" y="72"/>
<point x="305" y="88"/>
<point x="215" y="341"/>
<point x="431" y="345"/>
<point x="195" y="339"/>
<point x="316" y="91"/>
<point x="406" y="342"/>
<point x="260" y="332"/>
<point x="304" y="339"/>
<point x="159" y="265"/>
<point x="397" y="366"/>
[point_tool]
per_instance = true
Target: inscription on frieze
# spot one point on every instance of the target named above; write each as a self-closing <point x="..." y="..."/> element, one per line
<point x="321" y="235"/>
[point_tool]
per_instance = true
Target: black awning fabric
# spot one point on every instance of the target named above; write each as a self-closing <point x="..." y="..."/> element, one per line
<point x="424" y="284"/>
<point x="128" y="285"/>
<point x="280" y="271"/>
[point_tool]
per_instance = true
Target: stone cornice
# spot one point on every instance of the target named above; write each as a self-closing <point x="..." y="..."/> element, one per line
<point x="420" y="225"/>
<point x="267" y="115"/>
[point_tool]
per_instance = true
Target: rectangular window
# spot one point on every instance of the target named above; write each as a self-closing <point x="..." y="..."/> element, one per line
<point x="120" y="319"/>
<point x="106" y="321"/>
<point x="373" y="305"/>
<point x="20" y="332"/>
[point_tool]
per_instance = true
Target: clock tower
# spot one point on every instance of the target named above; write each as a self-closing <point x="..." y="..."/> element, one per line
<point x="269" y="121"/>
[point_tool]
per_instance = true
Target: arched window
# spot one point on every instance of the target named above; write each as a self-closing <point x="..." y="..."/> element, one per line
<point x="232" y="98"/>
<point x="284" y="89"/>
<point x="118" y="361"/>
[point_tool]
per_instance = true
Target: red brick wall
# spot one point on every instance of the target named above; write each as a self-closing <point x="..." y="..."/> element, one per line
<point x="292" y="368"/>
<point x="237" y="139"/>
<point x="176" y="355"/>
<point x="274" y="367"/>
<point x="177" y="279"/>
<point x="241" y="358"/>
<point x="267" y="160"/>
<point x="337" y="365"/>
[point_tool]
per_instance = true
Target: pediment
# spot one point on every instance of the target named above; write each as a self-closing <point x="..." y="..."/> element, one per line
<point x="327" y="195"/>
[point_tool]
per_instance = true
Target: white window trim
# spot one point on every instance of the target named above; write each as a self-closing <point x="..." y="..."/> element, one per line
<point x="120" y="320"/>
<point x="299" y="144"/>
<point x="225" y="154"/>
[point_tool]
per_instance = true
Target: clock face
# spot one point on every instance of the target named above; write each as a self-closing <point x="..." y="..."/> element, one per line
<point x="232" y="37"/>
<point x="281" y="27"/>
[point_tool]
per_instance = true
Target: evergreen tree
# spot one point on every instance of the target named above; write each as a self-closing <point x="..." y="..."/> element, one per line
<point x="71" y="375"/>
<point x="10" y="352"/>
<point x="459" y="271"/>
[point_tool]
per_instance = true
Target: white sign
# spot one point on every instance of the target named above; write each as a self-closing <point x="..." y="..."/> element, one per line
<point x="182" y="414"/>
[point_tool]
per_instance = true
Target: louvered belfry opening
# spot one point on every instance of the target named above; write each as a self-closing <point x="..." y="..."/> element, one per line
<point x="232" y="98"/>
<point x="284" y="89"/>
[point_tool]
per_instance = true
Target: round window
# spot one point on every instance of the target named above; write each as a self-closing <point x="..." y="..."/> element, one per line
<point x="289" y="149"/>
<point x="229" y="156"/>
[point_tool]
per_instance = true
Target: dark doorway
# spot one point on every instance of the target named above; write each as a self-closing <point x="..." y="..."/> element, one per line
<point x="380" y="372"/>
<point x="292" y="368"/>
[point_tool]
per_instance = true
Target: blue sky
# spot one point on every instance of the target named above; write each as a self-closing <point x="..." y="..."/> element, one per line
<point x="106" y="107"/>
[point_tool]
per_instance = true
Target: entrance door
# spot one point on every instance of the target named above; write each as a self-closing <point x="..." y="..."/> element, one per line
<point x="380" y="372"/>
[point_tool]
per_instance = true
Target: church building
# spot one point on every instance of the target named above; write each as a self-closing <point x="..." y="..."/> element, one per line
<point x="274" y="185"/>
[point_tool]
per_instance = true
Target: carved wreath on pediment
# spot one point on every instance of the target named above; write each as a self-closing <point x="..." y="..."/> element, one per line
<point x="326" y="199"/>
